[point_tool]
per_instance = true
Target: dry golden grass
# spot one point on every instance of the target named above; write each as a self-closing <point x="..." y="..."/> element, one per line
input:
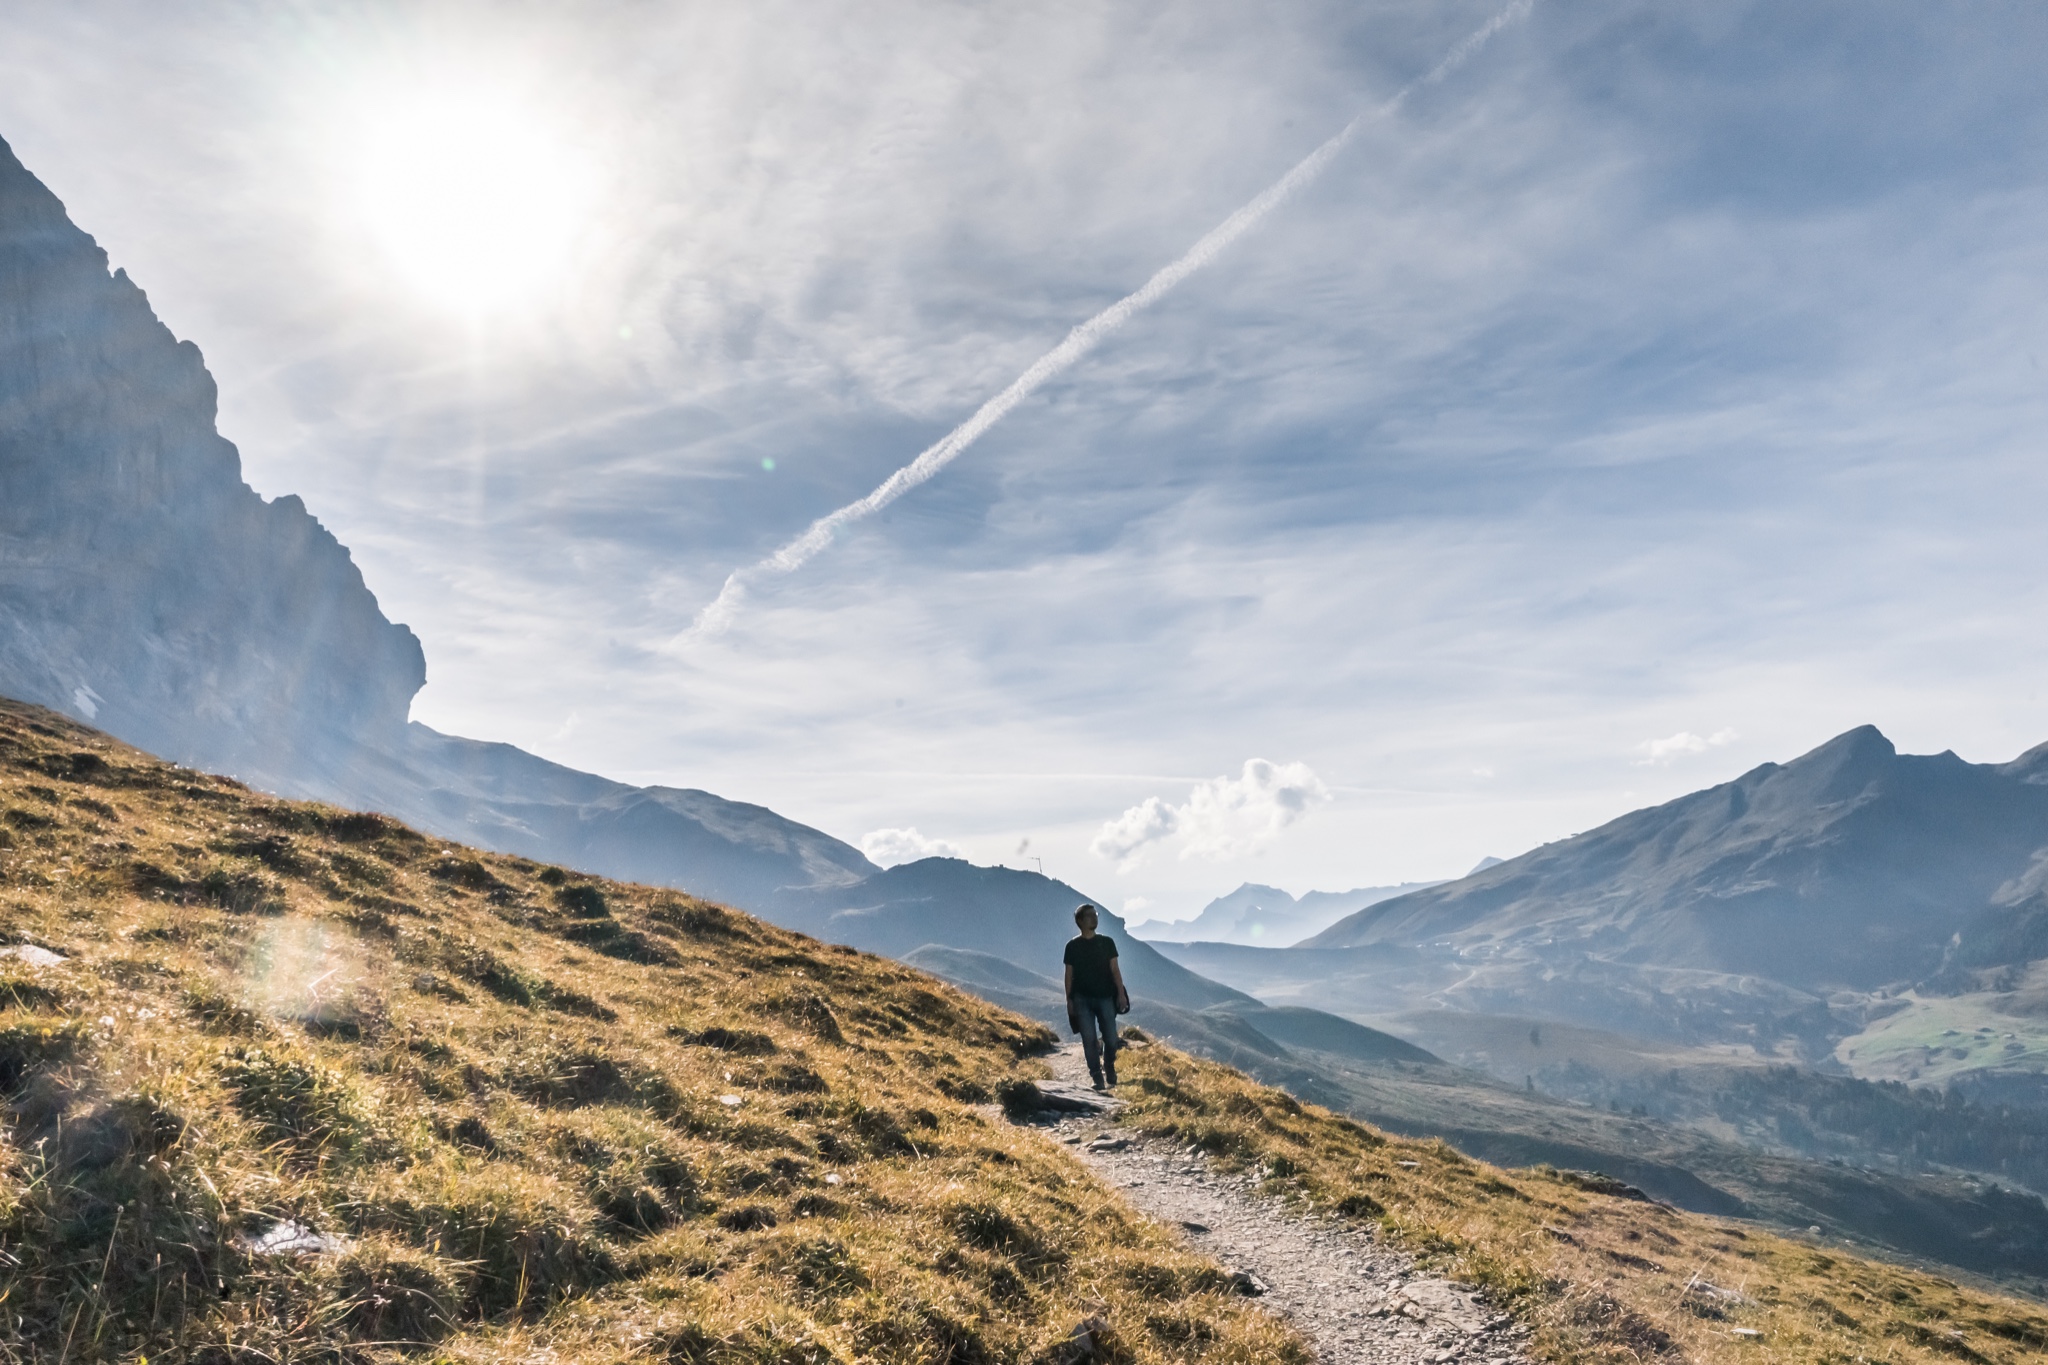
<point x="545" y="1116"/>
<point x="1597" y="1276"/>
<point x="551" y="1117"/>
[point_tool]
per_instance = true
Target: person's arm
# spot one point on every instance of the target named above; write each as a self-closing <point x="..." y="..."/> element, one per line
<point x="1116" y="974"/>
<point x="1073" y="1015"/>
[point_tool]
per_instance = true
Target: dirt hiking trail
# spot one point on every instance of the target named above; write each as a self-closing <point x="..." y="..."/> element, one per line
<point x="1358" y="1302"/>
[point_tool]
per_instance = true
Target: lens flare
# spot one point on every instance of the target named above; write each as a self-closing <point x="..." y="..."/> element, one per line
<point x="303" y="969"/>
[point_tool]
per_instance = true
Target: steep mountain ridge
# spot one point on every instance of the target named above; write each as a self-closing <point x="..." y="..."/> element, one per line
<point x="1852" y="867"/>
<point x="506" y="799"/>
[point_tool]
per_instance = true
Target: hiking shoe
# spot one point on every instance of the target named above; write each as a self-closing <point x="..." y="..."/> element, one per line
<point x="1098" y="1085"/>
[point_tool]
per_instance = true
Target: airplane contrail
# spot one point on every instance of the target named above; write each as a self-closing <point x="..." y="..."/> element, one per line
<point x="714" y="619"/>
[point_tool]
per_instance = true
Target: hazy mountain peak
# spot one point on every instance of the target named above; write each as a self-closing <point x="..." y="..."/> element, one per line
<point x="1255" y="914"/>
<point x="1841" y="768"/>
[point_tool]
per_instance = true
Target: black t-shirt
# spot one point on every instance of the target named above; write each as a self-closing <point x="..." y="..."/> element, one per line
<point x="1090" y="959"/>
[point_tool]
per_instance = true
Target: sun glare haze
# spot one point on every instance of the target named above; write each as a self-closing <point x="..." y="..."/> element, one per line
<point x="475" y="196"/>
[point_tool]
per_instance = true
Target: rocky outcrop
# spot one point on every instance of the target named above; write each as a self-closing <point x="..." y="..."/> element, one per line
<point x="143" y="585"/>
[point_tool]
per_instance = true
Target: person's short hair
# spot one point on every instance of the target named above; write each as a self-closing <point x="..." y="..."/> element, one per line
<point x="1084" y="910"/>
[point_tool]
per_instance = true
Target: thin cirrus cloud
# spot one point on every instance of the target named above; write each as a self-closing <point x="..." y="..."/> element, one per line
<point x="1684" y="744"/>
<point x="1086" y="337"/>
<point x="1224" y="817"/>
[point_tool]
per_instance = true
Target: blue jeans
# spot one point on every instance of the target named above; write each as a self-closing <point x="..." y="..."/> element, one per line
<point x="1098" y="1033"/>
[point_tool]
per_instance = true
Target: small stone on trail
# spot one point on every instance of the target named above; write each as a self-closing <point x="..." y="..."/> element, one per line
<point x="1106" y="1143"/>
<point x="1245" y="1283"/>
<point x="1197" y="1228"/>
<point x="1441" y="1304"/>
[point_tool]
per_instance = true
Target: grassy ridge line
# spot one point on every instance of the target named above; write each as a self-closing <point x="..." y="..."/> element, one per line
<point x="533" y="1114"/>
<point x="1599" y="1275"/>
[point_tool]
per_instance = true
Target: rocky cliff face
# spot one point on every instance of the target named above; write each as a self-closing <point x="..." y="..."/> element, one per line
<point x="143" y="585"/>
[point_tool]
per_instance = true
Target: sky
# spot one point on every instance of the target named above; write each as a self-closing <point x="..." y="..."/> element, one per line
<point x="1658" y="394"/>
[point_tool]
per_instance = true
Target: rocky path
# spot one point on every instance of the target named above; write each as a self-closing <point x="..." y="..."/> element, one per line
<point x="1358" y="1303"/>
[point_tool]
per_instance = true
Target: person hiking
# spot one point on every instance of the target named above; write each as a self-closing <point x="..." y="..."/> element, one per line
<point x="1095" y="996"/>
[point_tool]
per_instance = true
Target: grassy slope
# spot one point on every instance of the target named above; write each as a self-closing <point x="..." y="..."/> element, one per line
<point x="1599" y="1276"/>
<point x="549" y="1116"/>
<point x="1946" y="1038"/>
<point x="506" y="1089"/>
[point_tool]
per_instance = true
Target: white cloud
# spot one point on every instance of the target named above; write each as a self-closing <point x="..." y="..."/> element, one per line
<point x="1222" y="818"/>
<point x="1681" y="745"/>
<point x="888" y="847"/>
<point x="1121" y="839"/>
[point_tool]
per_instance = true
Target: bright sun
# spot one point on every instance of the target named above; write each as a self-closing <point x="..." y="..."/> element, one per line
<point x="474" y="195"/>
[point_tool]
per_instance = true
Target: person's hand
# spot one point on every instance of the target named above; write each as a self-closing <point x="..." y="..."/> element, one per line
<point x="1123" y="1002"/>
<point x="1073" y="1019"/>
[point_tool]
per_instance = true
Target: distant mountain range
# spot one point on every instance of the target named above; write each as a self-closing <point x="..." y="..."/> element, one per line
<point x="1255" y="914"/>
<point x="1792" y="911"/>
<point x="1853" y="868"/>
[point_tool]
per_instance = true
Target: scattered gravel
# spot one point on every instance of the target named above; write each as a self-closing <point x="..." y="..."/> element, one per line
<point x="1358" y="1302"/>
